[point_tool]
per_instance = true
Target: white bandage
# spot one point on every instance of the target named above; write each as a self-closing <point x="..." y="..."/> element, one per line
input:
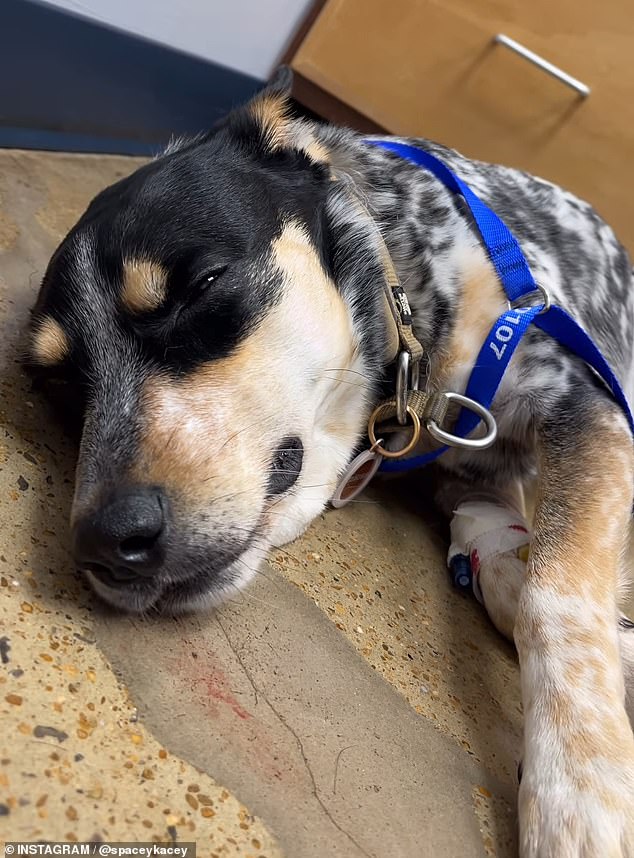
<point x="482" y="530"/>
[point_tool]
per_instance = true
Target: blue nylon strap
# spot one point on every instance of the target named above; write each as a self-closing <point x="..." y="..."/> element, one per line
<point x="510" y="327"/>
<point x="492" y="361"/>
<point x="394" y="466"/>
<point x="506" y="256"/>
<point x="560" y="325"/>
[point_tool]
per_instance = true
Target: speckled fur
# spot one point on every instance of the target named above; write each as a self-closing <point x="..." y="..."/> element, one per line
<point x="559" y="425"/>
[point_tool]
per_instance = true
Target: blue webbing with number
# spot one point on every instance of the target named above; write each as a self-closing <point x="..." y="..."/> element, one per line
<point x="507" y="332"/>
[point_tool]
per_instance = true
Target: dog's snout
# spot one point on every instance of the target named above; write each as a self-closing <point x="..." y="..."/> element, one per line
<point x="124" y="539"/>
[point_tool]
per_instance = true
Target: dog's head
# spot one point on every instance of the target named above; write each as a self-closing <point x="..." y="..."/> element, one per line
<point x="220" y="312"/>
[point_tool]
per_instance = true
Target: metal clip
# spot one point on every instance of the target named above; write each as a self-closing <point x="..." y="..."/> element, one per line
<point x="405" y="383"/>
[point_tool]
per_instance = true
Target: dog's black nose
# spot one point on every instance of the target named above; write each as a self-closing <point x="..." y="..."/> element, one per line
<point x="123" y="540"/>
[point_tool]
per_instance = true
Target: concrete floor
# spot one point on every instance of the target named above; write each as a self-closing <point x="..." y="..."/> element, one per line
<point x="348" y="704"/>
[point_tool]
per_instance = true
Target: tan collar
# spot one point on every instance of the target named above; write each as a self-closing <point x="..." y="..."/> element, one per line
<point x="401" y="335"/>
<point x="409" y="404"/>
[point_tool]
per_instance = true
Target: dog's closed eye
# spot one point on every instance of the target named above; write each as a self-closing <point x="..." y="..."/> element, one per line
<point x="286" y="466"/>
<point x="210" y="277"/>
<point x="202" y="284"/>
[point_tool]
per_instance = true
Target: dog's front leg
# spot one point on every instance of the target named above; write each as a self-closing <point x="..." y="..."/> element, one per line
<point x="577" y="791"/>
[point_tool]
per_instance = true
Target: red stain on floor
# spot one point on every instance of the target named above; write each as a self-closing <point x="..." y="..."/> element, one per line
<point x="207" y="680"/>
<point x="200" y="678"/>
<point x="215" y="684"/>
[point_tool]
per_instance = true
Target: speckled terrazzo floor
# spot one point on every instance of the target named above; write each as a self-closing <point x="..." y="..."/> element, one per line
<point x="349" y="704"/>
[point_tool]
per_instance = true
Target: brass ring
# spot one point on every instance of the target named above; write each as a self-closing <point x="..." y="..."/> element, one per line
<point x="395" y="454"/>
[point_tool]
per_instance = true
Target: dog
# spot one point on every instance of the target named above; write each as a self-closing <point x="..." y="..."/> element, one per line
<point x="221" y="313"/>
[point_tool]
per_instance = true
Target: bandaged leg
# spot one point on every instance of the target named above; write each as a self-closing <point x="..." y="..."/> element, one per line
<point x="490" y="538"/>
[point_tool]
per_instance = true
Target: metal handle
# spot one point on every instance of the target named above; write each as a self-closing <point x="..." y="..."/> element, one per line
<point x="543" y="64"/>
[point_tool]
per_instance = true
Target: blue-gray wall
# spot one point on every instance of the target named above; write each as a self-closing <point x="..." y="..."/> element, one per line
<point x="73" y="84"/>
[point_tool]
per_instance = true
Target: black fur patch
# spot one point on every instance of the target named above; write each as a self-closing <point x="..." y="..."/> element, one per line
<point x="206" y="208"/>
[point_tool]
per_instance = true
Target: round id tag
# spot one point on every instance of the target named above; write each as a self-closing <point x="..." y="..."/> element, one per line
<point x="356" y="477"/>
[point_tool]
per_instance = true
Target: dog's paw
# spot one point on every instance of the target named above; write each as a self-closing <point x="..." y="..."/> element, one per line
<point x="564" y="815"/>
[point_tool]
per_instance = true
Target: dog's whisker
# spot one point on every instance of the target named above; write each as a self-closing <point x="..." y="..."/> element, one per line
<point x="345" y="369"/>
<point x="341" y="381"/>
<point x="238" y="432"/>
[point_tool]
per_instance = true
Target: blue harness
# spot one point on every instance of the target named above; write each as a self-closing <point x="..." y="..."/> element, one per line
<point x="507" y="332"/>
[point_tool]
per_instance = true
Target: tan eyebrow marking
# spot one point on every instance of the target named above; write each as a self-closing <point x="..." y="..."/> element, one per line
<point x="144" y="285"/>
<point x="49" y="343"/>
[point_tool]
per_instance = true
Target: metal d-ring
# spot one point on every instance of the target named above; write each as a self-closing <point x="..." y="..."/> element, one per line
<point x="404" y="384"/>
<point x="545" y="295"/>
<point x="465" y="443"/>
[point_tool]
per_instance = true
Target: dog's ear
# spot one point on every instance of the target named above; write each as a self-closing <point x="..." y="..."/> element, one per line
<point x="282" y="80"/>
<point x="269" y="124"/>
